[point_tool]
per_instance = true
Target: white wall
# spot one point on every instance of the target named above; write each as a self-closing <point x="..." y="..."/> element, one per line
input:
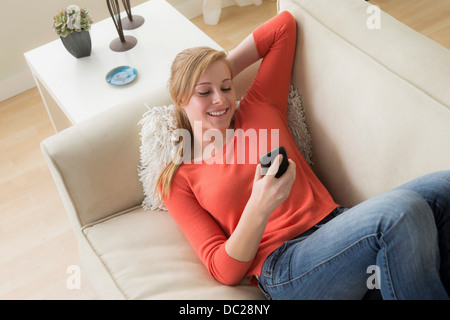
<point x="27" y="24"/>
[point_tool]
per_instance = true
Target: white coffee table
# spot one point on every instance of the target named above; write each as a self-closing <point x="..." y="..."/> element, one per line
<point x="75" y="89"/>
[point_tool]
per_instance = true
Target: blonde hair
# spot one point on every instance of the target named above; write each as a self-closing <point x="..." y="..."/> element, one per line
<point x="187" y="67"/>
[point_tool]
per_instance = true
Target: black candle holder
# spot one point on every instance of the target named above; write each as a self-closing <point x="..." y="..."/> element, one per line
<point x="123" y="43"/>
<point x="132" y="21"/>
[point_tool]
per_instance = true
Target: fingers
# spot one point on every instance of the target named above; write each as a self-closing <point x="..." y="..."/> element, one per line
<point x="288" y="178"/>
<point x="258" y="173"/>
<point x="291" y="169"/>
<point x="270" y="192"/>
<point x="273" y="169"/>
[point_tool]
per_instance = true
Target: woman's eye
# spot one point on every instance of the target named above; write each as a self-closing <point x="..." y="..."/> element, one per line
<point x="205" y="93"/>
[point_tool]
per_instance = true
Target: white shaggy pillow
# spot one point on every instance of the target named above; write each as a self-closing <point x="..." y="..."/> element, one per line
<point x="157" y="143"/>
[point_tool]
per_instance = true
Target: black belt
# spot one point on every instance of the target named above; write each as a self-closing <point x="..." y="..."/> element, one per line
<point x="333" y="214"/>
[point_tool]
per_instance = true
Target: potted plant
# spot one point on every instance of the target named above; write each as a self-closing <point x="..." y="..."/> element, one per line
<point x="72" y="24"/>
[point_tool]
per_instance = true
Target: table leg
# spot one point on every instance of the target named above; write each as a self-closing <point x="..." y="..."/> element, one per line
<point x="57" y="117"/>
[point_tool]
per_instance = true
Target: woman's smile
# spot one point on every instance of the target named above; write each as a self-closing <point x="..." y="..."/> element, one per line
<point x="218" y="113"/>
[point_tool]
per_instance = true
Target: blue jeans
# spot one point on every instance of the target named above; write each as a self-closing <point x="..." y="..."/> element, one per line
<point x="398" y="242"/>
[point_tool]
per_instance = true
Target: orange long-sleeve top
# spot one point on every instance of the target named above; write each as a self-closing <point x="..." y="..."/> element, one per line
<point x="207" y="198"/>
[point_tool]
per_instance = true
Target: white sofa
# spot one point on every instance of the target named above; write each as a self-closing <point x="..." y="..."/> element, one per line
<point x="378" y="109"/>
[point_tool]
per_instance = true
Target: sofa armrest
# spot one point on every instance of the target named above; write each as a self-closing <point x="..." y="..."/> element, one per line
<point x="94" y="163"/>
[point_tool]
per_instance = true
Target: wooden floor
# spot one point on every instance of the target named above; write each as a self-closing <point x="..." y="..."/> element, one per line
<point x="429" y="17"/>
<point x="36" y="241"/>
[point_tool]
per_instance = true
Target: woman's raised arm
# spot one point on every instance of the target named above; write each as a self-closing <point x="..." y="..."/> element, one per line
<point x="244" y="55"/>
<point x="274" y="42"/>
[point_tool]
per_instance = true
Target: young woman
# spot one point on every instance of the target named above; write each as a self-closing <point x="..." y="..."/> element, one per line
<point x="287" y="234"/>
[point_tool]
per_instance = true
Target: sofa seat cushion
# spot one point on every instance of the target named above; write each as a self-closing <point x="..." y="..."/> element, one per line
<point x="148" y="257"/>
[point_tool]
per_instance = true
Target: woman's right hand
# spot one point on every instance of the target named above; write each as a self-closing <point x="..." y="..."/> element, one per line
<point x="269" y="192"/>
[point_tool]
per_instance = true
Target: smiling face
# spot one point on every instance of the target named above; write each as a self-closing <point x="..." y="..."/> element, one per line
<point x="213" y="99"/>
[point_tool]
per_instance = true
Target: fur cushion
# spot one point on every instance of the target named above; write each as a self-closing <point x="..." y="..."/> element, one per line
<point x="158" y="136"/>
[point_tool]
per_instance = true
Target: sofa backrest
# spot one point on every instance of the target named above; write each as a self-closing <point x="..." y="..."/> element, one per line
<point x="377" y="100"/>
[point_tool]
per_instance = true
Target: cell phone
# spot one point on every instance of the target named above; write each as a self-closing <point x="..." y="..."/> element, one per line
<point x="267" y="160"/>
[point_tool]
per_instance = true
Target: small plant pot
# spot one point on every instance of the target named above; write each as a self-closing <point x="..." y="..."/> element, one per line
<point x="78" y="44"/>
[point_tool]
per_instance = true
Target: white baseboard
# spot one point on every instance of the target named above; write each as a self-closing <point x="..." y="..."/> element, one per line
<point x="16" y="84"/>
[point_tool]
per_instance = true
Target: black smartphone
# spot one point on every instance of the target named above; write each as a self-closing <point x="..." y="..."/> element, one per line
<point x="267" y="159"/>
